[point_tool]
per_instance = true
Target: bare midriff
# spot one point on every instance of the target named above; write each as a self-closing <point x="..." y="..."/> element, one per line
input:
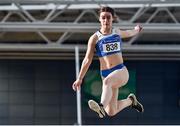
<point x="109" y="61"/>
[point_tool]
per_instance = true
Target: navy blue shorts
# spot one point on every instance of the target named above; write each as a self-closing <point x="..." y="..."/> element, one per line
<point x="105" y="73"/>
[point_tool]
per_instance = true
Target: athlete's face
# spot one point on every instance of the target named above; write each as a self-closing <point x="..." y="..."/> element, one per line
<point x="106" y="19"/>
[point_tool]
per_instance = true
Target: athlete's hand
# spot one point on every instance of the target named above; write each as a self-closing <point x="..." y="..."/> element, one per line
<point x="77" y="84"/>
<point x="138" y="28"/>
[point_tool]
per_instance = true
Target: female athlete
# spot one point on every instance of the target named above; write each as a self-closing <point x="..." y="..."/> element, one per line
<point x="107" y="44"/>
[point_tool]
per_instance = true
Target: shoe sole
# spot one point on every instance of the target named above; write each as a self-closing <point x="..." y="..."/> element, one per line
<point x="141" y="107"/>
<point x="95" y="107"/>
<point x="136" y="102"/>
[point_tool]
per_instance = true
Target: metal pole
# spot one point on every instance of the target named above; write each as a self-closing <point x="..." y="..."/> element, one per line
<point x="78" y="93"/>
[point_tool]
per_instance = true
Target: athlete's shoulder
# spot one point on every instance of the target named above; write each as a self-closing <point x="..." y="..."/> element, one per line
<point x="93" y="37"/>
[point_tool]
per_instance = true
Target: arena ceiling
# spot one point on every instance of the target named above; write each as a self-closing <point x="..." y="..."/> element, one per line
<point x="62" y="24"/>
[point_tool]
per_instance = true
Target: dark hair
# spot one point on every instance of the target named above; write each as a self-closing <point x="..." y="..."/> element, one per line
<point x="106" y="9"/>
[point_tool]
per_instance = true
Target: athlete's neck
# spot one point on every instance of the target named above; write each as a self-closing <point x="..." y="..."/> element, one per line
<point x="106" y="31"/>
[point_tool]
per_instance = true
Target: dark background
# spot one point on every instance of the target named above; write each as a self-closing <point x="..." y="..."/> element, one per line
<point x="39" y="92"/>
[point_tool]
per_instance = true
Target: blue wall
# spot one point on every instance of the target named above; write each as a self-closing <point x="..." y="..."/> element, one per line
<point x="39" y="92"/>
<point x="36" y="92"/>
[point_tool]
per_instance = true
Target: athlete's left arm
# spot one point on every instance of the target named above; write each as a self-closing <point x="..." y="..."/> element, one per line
<point x="130" y="33"/>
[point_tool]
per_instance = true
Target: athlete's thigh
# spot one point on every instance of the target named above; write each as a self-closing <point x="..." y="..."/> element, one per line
<point x="118" y="77"/>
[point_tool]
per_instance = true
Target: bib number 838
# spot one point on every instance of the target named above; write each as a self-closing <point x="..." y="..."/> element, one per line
<point x="110" y="47"/>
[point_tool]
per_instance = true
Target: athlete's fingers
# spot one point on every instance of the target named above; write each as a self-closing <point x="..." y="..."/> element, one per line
<point x="78" y="87"/>
<point x="74" y="86"/>
<point x="138" y="28"/>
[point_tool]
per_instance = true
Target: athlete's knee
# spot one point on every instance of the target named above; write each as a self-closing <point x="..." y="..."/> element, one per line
<point x="111" y="112"/>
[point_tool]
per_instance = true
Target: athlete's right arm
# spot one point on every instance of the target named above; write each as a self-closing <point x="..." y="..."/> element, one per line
<point x="86" y="62"/>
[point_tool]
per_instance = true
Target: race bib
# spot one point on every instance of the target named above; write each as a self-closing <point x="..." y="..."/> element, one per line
<point x="111" y="47"/>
